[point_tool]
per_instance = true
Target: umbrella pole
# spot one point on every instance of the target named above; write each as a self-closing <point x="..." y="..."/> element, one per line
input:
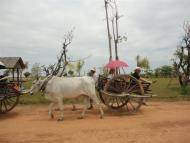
<point x="123" y="70"/>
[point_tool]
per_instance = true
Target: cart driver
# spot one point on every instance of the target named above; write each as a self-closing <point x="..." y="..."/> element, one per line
<point x="111" y="73"/>
<point x="136" y="74"/>
<point x="145" y="83"/>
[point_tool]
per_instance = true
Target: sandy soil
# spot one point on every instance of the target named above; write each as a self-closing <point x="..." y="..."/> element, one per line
<point x="160" y="122"/>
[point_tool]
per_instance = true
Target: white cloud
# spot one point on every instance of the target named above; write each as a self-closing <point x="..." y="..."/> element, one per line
<point x="34" y="29"/>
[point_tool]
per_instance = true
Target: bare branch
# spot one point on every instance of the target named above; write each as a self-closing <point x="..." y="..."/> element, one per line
<point x="62" y="59"/>
<point x="182" y="54"/>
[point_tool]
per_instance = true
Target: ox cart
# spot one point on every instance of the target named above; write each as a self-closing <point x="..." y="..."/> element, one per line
<point x="9" y="96"/>
<point x="123" y="90"/>
<point x="10" y="86"/>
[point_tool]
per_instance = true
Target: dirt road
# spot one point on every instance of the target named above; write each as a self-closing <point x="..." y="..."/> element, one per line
<point x="160" y="122"/>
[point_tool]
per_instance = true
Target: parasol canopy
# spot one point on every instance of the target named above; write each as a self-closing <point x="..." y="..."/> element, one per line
<point x="116" y="64"/>
<point x="2" y="66"/>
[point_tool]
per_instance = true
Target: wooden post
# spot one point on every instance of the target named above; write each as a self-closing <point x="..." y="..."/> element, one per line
<point x="18" y="76"/>
<point x="13" y="72"/>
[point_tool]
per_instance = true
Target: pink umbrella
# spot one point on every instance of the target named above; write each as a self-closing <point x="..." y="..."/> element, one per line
<point x="116" y="64"/>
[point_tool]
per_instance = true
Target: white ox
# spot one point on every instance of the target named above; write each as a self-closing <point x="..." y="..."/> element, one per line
<point x="58" y="88"/>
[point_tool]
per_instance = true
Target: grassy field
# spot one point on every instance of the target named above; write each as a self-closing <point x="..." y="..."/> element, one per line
<point x="169" y="89"/>
<point x="32" y="99"/>
<point x="166" y="89"/>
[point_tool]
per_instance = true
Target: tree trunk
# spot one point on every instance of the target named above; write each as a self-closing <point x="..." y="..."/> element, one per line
<point x="109" y="35"/>
<point x="180" y="81"/>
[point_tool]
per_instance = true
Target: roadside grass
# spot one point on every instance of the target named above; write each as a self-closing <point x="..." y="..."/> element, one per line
<point x="31" y="99"/>
<point x="39" y="97"/>
<point x="166" y="89"/>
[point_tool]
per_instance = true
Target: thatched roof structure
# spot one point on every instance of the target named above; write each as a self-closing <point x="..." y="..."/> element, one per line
<point x="13" y="62"/>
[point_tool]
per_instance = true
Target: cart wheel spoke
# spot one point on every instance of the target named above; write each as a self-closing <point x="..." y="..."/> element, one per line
<point x="1" y="106"/>
<point x="5" y="105"/>
<point x="132" y="105"/>
<point x="8" y="103"/>
<point x="118" y="85"/>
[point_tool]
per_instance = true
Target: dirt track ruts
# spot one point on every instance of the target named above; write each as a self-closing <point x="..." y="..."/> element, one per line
<point x="160" y="122"/>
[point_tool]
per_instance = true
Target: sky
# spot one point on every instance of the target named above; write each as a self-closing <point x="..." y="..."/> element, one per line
<point x="34" y="30"/>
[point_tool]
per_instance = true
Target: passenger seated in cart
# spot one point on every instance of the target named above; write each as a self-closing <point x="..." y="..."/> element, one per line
<point x="145" y="83"/>
<point x="111" y="74"/>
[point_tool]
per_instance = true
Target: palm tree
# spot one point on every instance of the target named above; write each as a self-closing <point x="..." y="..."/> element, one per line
<point x="138" y="59"/>
<point x="79" y="66"/>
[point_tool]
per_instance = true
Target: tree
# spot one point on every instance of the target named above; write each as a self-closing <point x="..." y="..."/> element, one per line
<point x="36" y="70"/>
<point x="62" y="60"/>
<point x="71" y="73"/>
<point x="143" y="62"/>
<point x="108" y="28"/>
<point x="104" y="71"/>
<point x="164" y="71"/>
<point x="138" y="60"/>
<point x="113" y="18"/>
<point x="181" y="59"/>
<point x="157" y="72"/>
<point x="48" y="69"/>
<point x="79" y="66"/>
<point x="27" y="74"/>
<point x="26" y="65"/>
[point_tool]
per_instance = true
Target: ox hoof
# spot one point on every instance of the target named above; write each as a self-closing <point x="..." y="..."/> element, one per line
<point x="52" y="116"/>
<point x="56" y="109"/>
<point x="90" y="108"/>
<point x="101" y="117"/>
<point x="80" y="117"/>
<point x="60" y="119"/>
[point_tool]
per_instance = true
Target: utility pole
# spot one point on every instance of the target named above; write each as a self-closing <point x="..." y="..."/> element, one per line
<point x="108" y="29"/>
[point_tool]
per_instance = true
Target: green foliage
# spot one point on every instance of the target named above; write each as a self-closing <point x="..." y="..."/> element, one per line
<point x="26" y="64"/>
<point x="185" y="90"/>
<point x="70" y="66"/>
<point x="143" y="62"/>
<point x="37" y="98"/>
<point x="181" y="60"/>
<point x="164" y="71"/>
<point x="166" y="89"/>
<point x="79" y="66"/>
<point x="75" y="68"/>
<point x="36" y="70"/>
<point x="27" y="74"/>
<point x="71" y="73"/>
<point x="104" y="71"/>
